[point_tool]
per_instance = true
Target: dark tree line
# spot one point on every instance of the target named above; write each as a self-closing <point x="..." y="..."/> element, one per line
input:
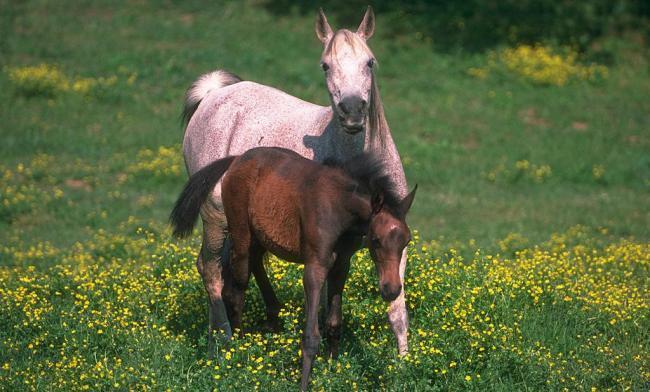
<point x="481" y="24"/>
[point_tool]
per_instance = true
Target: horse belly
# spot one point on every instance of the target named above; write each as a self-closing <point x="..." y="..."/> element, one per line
<point x="275" y="221"/>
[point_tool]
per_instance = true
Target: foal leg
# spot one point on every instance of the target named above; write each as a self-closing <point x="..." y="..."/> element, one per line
<point x="271" y="302"/>
<point x="335" y="284"/>
<point x="397" y="314"/>
<point x="313" y="279"/>
<point x="238" y="275"/>
<point x="209" y="266"/>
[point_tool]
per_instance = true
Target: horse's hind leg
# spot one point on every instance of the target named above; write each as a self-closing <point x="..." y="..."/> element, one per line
<point x="238" y="271"/>
<point x="270" y="300"/>
<point x="209" y="265"/>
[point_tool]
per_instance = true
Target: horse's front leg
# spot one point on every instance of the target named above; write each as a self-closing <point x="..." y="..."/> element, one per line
<point x="335" y="284"/>
<point x="397" y="314"/>
<point x="313" y="279"/>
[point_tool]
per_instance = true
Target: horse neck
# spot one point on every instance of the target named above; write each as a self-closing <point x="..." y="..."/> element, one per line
<point x="380" y="140"/>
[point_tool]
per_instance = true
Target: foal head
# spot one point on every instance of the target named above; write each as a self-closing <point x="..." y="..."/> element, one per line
<point x="388" y="235"/>
<point x="348" y="65"/>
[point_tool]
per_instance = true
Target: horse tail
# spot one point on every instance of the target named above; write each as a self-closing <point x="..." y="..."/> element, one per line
<point x="196" y="191"/>
<point x="201" y="87"/>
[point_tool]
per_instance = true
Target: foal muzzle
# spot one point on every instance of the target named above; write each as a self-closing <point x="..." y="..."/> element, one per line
<point x="390" y="292"/>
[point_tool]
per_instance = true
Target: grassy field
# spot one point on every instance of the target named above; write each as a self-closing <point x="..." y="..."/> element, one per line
<point x="532" y="263"/>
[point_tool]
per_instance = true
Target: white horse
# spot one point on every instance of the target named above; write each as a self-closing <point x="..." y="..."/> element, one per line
<point x="227" y="116"/>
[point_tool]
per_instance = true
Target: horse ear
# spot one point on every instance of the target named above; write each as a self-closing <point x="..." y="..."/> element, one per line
<point x="405" y="204"/>
<point x="377" y="202"/>
<point x="367" y="26"/>
<point x="323" y="29"/>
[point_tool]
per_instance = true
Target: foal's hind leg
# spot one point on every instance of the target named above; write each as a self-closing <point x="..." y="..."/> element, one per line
<point x="270" y="300"/>
<point x="238" y="273"/>
<point x="209" y="265"/>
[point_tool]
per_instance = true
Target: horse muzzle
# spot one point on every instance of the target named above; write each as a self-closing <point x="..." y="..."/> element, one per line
<point x="352" y="112"/>
<point x="352" y="125"/>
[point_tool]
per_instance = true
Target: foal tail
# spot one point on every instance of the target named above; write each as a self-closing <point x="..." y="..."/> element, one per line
<point x="202" y="86"/>
<point x="195" y="193"/>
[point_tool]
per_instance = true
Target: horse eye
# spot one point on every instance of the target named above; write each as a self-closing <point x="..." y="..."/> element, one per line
<point x="324" y="66"/>
<point x="371" y="63"/>
<point x="376" y="243"/>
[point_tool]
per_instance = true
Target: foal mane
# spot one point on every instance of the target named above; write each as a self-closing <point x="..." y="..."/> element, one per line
<point x="369" y="171"/>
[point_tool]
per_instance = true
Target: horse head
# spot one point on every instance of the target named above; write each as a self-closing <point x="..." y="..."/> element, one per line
<point x="348" y="64"/>
<point x="388" y="235"/>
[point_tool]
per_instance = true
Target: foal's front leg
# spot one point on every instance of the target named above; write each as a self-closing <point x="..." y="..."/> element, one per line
<point x="335" y="283"/>
<point x="313" y="280"/>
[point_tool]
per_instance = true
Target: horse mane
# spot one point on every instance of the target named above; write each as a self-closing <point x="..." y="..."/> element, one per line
<point x="369" y="170"/>
<point x="377" y="123"/>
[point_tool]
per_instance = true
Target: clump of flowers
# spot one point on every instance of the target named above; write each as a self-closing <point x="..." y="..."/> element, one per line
<point x="162" y="163"/>
<point x="541" y="65"/>
<point x="19" y="190"/>
<point x="598" y="172"/>
<point x="49" y="80"/>
<point x="43" y="79"/>
<point x="522" y="169"/>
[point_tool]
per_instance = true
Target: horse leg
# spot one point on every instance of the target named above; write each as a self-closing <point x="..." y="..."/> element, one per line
<point x="238" y="275"/>
<point x="210" y="268"/>
<point x="335" y="283"/>
<point x="271" y="302"/>
<point x="313" y="279"/>
<point x="397" y="314"/>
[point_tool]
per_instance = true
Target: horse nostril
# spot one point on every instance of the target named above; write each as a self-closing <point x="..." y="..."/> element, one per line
<point x="344" y="107"/>
<point x="363" y="103"/>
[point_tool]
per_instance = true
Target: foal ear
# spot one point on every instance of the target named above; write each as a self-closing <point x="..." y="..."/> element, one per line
<point x="367" y="26"/>
<point x="323" y="29"/>
<point x="377" y="202"/>
<point x="405" y="204"/>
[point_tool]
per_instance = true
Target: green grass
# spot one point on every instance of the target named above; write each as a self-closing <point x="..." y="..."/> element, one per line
<point x="81" y="181"/>
<point x="450" y="127"/>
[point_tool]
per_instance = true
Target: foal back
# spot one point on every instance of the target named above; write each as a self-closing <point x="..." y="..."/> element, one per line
<point x="265" y="195"/>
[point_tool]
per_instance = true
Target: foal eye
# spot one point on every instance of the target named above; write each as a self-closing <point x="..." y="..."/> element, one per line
<point x="371" y="63"/>
<point x="324" y="66"/>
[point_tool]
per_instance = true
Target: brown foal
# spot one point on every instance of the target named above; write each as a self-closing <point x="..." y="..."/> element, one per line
<point x="304" y="212"/>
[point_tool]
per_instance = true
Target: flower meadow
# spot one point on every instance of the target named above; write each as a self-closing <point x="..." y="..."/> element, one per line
<point x="126" y="310"/>
<point x="95" y="294"/>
